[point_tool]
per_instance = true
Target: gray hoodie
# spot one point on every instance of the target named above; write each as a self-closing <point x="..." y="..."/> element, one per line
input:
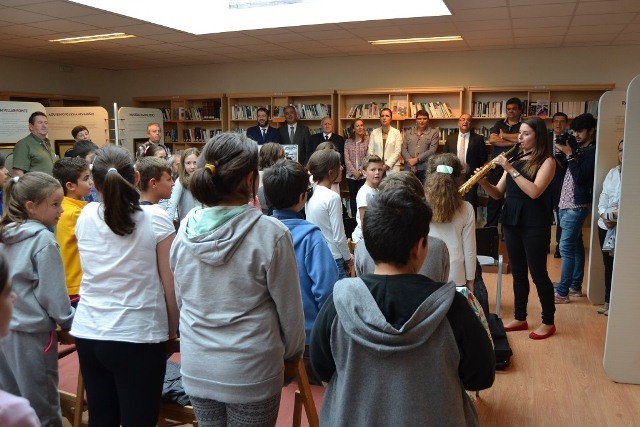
<point x="379" y="366"/>
<point x="241" y="315"/>
<point x="38" y="278"/>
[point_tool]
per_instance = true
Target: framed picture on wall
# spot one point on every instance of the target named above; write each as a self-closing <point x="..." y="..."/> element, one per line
<point x="62" y="146"/>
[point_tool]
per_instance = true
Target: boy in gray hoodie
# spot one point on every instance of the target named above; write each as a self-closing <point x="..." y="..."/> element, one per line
<point x="396" y="347"/>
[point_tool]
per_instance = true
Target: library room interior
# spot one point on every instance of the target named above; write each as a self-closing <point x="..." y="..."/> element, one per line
<point x="204" y="73"/>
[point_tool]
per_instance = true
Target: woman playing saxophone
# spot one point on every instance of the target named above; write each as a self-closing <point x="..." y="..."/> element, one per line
<point x="526" y="222"/>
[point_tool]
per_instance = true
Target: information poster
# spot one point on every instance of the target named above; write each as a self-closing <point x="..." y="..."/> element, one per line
<point x="63" y="119"/>
<point x="14" y="120"/>
<point x="133" y="124"/>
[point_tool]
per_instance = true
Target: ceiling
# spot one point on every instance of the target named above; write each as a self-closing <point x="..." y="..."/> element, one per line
<point x="27" y="25"/>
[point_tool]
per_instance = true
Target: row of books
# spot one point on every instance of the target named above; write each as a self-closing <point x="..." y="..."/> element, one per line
<point x="366" y="111"/>
<point x="196" y="113"/>
<point x="246" y="112"/>
<point x="306" y="111"/>
<point x="540" y="108"/>
<point x="436" y="110"/>
<point x="196" y="134"/>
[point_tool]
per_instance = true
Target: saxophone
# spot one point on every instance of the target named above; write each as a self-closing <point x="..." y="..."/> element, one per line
<point x="484" y="171"/>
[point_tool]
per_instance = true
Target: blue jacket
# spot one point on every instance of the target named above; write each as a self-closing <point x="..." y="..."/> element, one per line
<point x="317" y="269"/>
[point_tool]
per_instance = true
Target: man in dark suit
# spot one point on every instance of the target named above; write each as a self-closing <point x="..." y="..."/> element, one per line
<point x="295" y="133"/>
<point x="326" y="135"/>
<point x="262" y="132"/>
<point x="470" y="149"/>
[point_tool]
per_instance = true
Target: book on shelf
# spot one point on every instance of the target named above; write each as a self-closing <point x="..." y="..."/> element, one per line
<point x="542" y="108"/>
<point x="246" y="112"/>
<point x="436" y="110"/>
<point x="366" y="111"/>
<point x="166" y="114"/>
<point x="306" y="111"/>
<point x="399" y="107"/>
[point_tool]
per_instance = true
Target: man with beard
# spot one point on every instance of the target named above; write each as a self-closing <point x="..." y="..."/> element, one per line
<point x="262" y="132"/>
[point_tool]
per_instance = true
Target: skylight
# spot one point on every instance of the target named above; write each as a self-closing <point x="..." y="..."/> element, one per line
<point x="219" y="16"/>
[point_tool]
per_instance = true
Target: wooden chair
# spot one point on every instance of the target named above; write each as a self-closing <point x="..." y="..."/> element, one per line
<point x="184" y="414"/>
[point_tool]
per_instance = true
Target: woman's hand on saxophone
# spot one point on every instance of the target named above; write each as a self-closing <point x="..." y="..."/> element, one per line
<point x="503" y="162"/>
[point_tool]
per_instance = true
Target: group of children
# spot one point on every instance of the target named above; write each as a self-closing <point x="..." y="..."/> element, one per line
<point x="247" y="288"/>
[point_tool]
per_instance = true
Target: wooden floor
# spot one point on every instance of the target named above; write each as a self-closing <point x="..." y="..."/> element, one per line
<point x="554" y="382"/>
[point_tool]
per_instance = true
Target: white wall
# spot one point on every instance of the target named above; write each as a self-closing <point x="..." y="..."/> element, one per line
<point x="599" y="64"/>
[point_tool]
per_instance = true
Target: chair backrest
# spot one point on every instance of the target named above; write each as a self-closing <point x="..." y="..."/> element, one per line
<point x="488" y="242"/>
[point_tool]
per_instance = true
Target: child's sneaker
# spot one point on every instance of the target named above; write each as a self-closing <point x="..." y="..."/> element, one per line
<point x="559" y="299"/>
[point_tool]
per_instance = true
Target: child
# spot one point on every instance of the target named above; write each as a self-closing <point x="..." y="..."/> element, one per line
<point x="74" y="176"/>
<point x="155" y="180"/>
<point x="286" y="186"/>
<point x="14" y="410"/>
<point x="379" y="339"/>
<point x="325" y="208"/>
<point x="373" y="171"/>
<point x="33" y="202"/>
<point x="4" y="174"/>
<point x="182" y="201"/>
<point x="237" y="330"/>
<point x="127" y="308"/>
<point x="85" y="150"/>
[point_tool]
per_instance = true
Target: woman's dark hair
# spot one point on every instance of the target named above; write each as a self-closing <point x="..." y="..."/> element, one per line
<point x="151" y="150"/>
<point x="229" y="158"/>
<point x="76" y="130"/>
<point x="270" y="153"/>
<point x="322" y="162"/>
<point x="82" y="149"/>
<point x="120" y="197"/>
<point x="540" y="151"/>
<point x="441" y="189"/>
<point x="4" y="272"/>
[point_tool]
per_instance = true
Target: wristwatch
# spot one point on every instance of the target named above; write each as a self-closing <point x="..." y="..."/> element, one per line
<point x="515" y="174"/>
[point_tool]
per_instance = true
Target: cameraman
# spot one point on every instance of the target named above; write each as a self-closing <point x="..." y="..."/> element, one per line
<point x="560" y="130"/>
<point x="575" y="204"/>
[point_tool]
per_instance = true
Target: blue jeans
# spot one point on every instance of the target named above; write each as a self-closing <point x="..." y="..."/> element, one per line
<point x="341" y="271"/>
<point x="572" y="249"/>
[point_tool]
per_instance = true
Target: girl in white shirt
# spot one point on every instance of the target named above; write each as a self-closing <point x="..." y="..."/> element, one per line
<point x="324" y="208"/>
<point x="608" y="220"/>
<point x="453" y="218"/>
<point x="181" y="201"/>
<point x="127" y="309"/>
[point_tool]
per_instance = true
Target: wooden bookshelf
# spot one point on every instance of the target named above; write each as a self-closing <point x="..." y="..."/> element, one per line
<point x="311" y="108"/>
<point x="189" y="120"/>
<point x="444" y="105"/>
<point x="51" y="100"/>
<point x="488" y="104"/>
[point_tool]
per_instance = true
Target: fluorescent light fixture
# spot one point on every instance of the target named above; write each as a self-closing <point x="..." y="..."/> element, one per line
<point x="220" y="16"/>
<point x="418" y="40"/>
<point x="94" y="38"/>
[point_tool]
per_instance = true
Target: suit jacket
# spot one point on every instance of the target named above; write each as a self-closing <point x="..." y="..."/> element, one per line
<point x="318" y="138"/>
<point x="300" y="138"/>
<point x="392" y="148"/>
<point x="255" y="133"/>
<point x="476" y="151"/>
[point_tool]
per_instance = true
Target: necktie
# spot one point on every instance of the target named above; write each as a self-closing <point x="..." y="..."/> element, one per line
<point x="291" y="133"/>
<point x="462" y="155"/>
<point x="326" y="137"/>
<point x="264" y="133"/>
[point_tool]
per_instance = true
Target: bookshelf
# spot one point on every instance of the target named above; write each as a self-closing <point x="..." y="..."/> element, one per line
<point x="189" y="120"/>
<point x="51" y="100"/>
<point x="444" y="104"/>
<point x="311" y="108"/>
<point x="488" y="104"/>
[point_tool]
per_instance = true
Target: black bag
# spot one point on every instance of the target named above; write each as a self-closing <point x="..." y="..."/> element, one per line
<point x="498" y="334"/>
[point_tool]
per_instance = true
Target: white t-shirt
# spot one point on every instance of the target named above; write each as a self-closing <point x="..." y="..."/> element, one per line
<point x="361" y="202"/>
<point x="121" y="294"/>
<point x="324" y="209"/>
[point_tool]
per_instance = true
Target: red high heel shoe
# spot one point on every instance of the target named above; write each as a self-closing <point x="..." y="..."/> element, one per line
<point x="522" y="327"/>
<point x="535" y="336"/>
